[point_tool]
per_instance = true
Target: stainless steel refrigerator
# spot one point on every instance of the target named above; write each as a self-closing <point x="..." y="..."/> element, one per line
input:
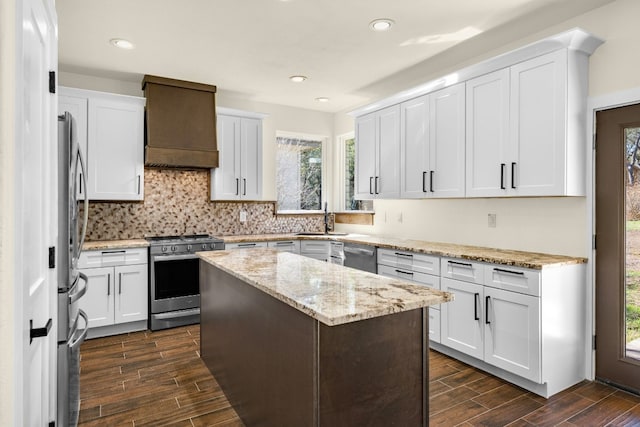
<point x="72" y="285"/>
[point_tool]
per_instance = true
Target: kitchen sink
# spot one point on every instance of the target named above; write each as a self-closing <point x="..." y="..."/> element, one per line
<point x="319" y="233"/>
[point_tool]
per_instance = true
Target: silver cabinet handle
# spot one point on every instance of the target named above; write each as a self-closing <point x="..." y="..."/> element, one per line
<point x="502" y="186"/>
<point x="370" y="185"/>
<point x="377" y="184"/>
<point x="405" y="255"/>
<point x="424" y="185"/>
<point x="138" y="183"/>
<point x="237" y="186"/>
<point x="513" y="175"/>
<point x="500" y="270"/>
<point x="464" y="264"/>
<point x="119" y="283"/>
<point x="108" y="284"/>
<point x="408" y="273"/>
<point x="431" y="181"/>
<point x="244" y="186"/>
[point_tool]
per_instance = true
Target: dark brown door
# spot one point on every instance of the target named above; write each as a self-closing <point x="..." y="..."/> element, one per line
<point x="618" y="246"/>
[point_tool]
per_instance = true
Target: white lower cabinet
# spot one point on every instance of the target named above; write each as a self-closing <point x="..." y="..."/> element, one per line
<point x="317" y="249"/>
<point x="292" y="246"/>
<point x="526" y="326"/>
<point x="117" y="295"/>
<point x="245" y="245"/>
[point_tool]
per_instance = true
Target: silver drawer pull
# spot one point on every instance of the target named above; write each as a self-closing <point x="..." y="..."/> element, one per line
<point x="500" y="270"/>
<point x="113" y="252"/>
<point x="246" y="245"/>
<point x="409" y="273"/>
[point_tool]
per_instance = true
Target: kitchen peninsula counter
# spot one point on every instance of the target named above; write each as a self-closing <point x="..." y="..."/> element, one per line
<point x="524" y="259"/>
<point x="298" y="342"/>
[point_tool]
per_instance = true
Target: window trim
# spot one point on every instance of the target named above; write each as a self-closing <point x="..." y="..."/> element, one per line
<point x="323" y="139"/>
<point x="341" y="145"/>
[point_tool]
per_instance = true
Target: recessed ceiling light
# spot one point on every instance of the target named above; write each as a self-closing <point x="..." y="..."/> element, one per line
<point x="122" y="43"/>
<point x="382" y="24"/>
<point x="322" y="99"/>
<point x="298" y="79"/>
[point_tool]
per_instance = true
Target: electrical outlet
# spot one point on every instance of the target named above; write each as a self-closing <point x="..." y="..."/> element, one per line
<point x="492" y="220"/>
<point x="243" y="216"/>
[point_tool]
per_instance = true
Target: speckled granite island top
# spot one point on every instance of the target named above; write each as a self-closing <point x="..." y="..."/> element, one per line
<point x="329" y="293"/>
<point x="523" y="259"/>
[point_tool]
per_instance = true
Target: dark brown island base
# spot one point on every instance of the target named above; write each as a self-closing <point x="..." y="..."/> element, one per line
<point x="294" y="341"/>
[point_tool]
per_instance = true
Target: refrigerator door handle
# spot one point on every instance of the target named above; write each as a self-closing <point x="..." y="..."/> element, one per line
<point x="77" y="341"/>
<point x="75" y="295"/>
<point x="85" y="218"/>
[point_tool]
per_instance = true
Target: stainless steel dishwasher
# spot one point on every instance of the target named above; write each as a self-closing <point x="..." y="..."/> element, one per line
<point x="362" y="257"/>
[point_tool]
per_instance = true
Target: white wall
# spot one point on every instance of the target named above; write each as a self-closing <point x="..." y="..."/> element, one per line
<point x="551" y="225"/>
<point x="280" y="118"/>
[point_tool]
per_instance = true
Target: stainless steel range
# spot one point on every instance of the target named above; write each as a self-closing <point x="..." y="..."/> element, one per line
<point x="174" y="279"/>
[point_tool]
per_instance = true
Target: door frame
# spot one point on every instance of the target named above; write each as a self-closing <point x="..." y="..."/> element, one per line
<point x="594" y="104"/>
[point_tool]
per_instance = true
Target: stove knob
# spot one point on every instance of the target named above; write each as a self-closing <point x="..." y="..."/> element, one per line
<point x="213" y="246"/>
<point x="164" y="249"/>
<point x="204" y="246"/>
<point x="188" y="248"/>
<point x="173" y="248"/>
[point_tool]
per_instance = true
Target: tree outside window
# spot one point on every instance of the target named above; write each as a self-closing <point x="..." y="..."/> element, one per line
<point x="299" y="174"/>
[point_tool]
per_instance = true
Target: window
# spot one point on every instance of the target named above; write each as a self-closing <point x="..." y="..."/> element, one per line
<point x="299" y="177"/>
<point x="349" y="153"/>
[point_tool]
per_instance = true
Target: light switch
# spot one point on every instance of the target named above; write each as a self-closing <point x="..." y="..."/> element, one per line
<point x="243" y="216"/>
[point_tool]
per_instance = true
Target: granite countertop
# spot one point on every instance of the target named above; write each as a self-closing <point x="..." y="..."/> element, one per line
<point x="523" y="259"/>
<point x="114" y="244"/>
<point x="329" y="293"/>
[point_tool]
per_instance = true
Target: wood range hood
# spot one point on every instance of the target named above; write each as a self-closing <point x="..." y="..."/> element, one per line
<point x="180" y="123"/>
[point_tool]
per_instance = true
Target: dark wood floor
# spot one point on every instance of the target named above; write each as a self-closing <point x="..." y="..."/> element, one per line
<point x="157" y="379"/>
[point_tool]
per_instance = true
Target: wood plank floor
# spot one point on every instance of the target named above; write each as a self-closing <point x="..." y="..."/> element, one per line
<point x="157" y="379"/>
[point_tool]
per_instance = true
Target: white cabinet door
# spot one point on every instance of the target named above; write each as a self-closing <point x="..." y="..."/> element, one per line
<point x="414" y="148"/>
<point x="225" y="179"/>
<point x="512" y="332"/>
<point x="447" y="142"/>
<point x="538" y="133"/>
<point x="251" y="158"/>
<point x="130" y="293"/>
<point x="365" y="168"/>
<point x="77" y="105"/>
<point x="98" y="301"/>
<point x="487" y="132"/>
<point x="115" y="137"/>
<point x="461" y="326"/>
<point x="387" y="181"/>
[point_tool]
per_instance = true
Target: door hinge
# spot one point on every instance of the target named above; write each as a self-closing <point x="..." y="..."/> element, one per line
<point x="52" y="257"/>
<point x="593" y="242"/>
<point x="52" y="82"/>
<point x="593" y="342"/>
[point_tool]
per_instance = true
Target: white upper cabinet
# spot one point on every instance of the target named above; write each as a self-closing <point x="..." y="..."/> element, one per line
<point x="487" y="134"/>
<point x="512" y="125"/>
<point x="378" y="154"/>
<point x="414" y="148"/>
<point x="447" y="142"/>
<point x="239" y="174"/>
<point x="110" y="131"/>
<point x="518" y="139"/>
<point x="432" y="144"/>
<point x="116" y="156"/>
<point x="544" y="157"/>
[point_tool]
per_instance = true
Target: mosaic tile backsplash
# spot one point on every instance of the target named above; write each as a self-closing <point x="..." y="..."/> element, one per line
<point x="177" y="202"/>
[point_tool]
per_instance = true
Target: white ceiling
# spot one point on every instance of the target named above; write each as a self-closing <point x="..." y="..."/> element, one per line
<point x="251" y="47"/>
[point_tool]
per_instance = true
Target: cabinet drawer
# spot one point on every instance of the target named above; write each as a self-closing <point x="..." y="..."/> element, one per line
<point x="411" y="261"/>
<point x="286" y="245"/>
<point x="434" y="324"/>
<point x="106" y="258"/>
<point x="418" y="278"/>
<point x="245" y="245"/>
<point x="462" y="269"/>
<point x="522" y="280"/>
<point x="308" y="247"/>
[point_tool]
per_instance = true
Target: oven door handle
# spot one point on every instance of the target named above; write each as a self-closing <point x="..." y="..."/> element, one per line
<point x="160" y="258"/>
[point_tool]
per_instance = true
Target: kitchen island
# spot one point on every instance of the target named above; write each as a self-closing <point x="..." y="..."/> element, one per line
<point x="294" y="341"/>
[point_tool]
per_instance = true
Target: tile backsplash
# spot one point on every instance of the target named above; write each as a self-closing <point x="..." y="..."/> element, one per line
<point x="177" y="202"/>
